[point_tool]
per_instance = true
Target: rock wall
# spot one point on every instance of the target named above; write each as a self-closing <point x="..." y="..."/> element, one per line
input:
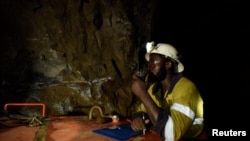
<point x="72" y="55"/>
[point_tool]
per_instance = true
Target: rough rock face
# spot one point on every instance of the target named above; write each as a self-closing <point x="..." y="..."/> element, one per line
<point x="71" y="55"/>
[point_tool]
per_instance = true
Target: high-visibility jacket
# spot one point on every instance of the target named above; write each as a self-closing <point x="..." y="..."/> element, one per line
<point x="184" y="106"/>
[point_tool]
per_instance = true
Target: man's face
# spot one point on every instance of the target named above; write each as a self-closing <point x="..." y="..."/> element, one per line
<point x="156" y="66"/>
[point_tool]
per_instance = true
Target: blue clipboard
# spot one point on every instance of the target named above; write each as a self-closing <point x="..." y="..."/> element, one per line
<point x="121" y="132"/>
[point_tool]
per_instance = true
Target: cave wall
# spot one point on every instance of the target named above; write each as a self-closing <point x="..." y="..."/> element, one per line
<point x="72" y="55"/>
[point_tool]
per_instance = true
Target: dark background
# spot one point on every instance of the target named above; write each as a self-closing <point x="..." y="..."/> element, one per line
<point x="213" y="38"/>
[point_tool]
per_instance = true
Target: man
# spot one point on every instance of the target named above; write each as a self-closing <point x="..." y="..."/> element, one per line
<point x="172" y="103"/>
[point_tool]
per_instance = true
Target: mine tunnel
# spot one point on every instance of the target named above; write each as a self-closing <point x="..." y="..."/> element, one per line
<point x="61" y="57"/>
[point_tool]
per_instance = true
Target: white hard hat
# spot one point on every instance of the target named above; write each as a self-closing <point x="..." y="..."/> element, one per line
<point x="166" y="50"/>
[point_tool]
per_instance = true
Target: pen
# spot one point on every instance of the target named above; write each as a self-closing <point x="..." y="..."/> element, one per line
<point x="143" y="117"/>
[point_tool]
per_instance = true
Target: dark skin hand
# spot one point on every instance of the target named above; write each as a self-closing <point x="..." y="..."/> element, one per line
<point x="138" y="124"/>
<point x="140" y="90"/>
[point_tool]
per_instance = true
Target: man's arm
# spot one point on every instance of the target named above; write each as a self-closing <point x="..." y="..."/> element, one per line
<point x="140" y="90"/>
